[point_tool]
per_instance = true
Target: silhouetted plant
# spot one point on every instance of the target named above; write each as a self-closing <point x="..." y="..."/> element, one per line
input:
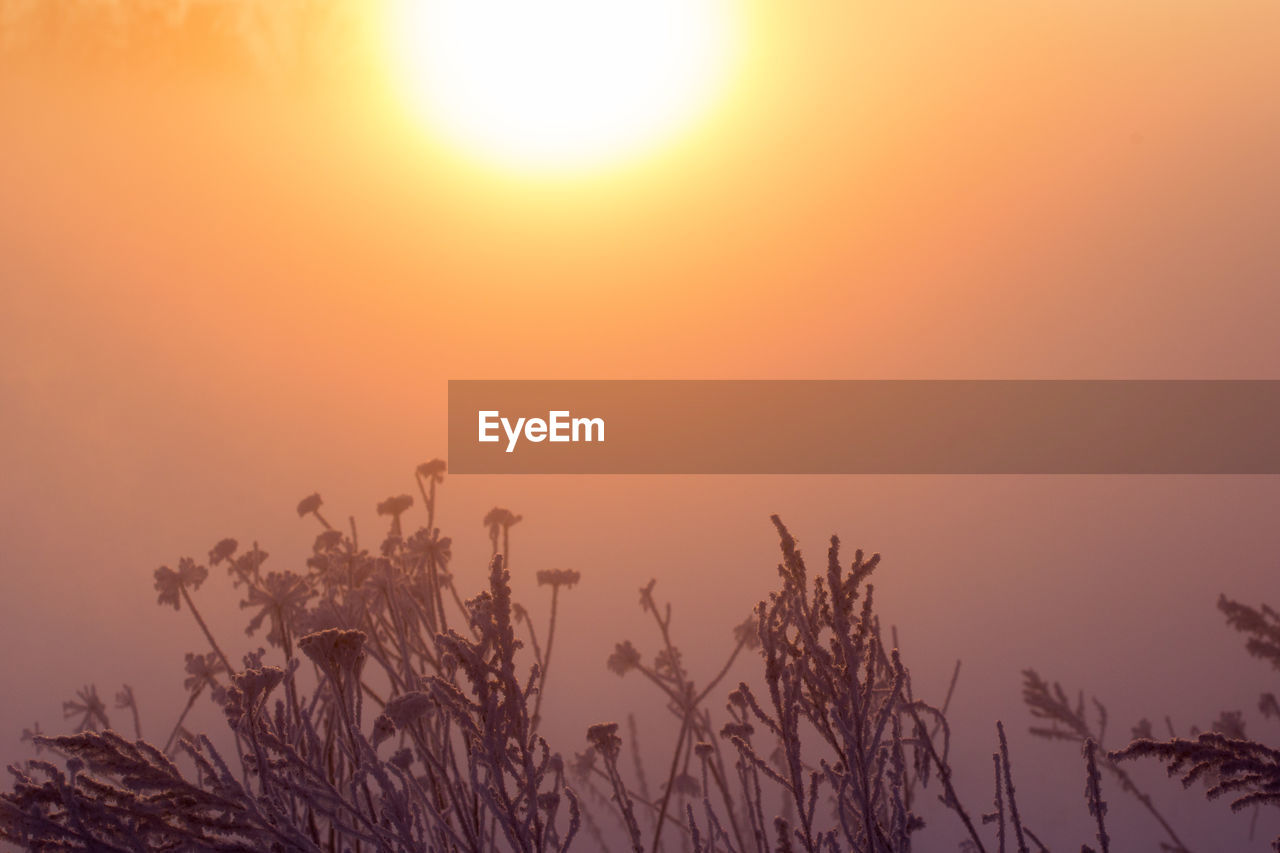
<point x="836" y="740"/>
<point x="500" y="521"/>
<point x="1223" y="758"/>
<point x="466" y="771"/>
<point x="391" y="715"/>
<point x="1068" y="719"/>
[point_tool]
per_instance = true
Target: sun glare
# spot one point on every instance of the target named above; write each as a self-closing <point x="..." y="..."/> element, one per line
<point x="562" y="85"/>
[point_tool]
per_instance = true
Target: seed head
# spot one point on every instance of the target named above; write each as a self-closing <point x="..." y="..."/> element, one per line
<point x="558" y="577"/>
<point x="604" y="737"/>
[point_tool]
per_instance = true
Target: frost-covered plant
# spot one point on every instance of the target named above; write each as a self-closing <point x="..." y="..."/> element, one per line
<point x="448" y="759"/>
<point x="391" y="715"/>
<point x="1223" y="758"/>
<point x="1227" y="762"/>
<point x="828" y="754"/>
<point x="1067" y="719"/>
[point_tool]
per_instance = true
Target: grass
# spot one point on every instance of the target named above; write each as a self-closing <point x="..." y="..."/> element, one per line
<point x="390" y="714"/>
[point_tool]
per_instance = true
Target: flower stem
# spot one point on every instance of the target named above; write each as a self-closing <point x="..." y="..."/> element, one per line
<point x="191" y="605"/>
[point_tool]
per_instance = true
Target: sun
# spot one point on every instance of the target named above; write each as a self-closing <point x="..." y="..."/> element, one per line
<point x="562" y="85"/>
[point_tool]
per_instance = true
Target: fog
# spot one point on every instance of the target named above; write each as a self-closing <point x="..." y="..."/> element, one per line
<point x="218" y="298"/>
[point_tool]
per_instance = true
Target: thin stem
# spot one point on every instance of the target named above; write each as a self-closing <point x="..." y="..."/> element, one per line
<point x="137" y="720"/>
<point x="944" y="775"/>
<point x="724" y="670"/>
<point x="195" y="694"/>
<point x="546" y="660"/>
<point x="671" y="777"/>
<point x="191" y="605"/>
<point x="1008" y="790"/>
<point x="1126" y="782"/>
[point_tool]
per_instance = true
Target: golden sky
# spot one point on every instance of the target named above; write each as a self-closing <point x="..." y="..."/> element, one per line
<point x="217" y="297"/>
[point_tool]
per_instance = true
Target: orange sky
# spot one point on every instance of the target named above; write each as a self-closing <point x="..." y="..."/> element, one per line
<point x="213" y="301"/>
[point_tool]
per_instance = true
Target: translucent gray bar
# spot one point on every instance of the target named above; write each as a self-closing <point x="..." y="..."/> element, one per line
<point x="871" y="427"/>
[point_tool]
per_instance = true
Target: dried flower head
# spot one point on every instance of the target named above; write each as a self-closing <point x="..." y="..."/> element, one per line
<point x="433" y="470"/>
<point x="686" y="785"/>
<point x="327" y="540"/>
<point x="396" y="505"/>
<point x="282" y="597"/>
<point x="202" y="671"/>
<point x="558" y="577"/>
<point x="429" y="544"/>
<point x="500" y="518"/>
<point x="247" y="567"/>
<point x="335" y="650"/>
<point x="170" y="584"/>
<point x="748" y="633"/>
<point x="604" y="737"/>
<point x="668" y="662"/>
<point x="625" y="658"/>
<point x="403" y="759"/>
<point x="125" y="698"/>
<point x="89" y="708"/>
<point x="383" y="729"/>
<point x="310" y="504"/>
<point x="248" y="691"/>
<point x="222" y="551"/>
